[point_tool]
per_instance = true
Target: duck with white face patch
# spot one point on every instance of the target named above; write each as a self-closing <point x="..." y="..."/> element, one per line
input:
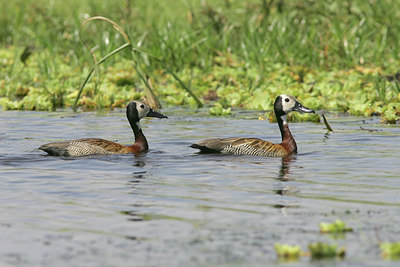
<point x="284" y="104"/>
<point x="135" y="111"/>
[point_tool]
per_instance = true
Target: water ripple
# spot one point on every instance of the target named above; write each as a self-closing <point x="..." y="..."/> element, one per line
<point x="172" y="204"/>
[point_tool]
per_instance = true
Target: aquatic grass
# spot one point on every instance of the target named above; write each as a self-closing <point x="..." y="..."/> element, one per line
<point x="321" y="250"/>
<point x="390" y="250"/>
<point x="149" y="90"/>
<point x="218" y="109"/>
<point x="287" y="252"/>
<point x="337" y="226"/>
<point x="291" y="33"/>
<point x="92" y="69"/>
<point x="327" y="124"/>
<point x="136" y="62"/>
<point x="197" y="100"/>
<point x="317" y="251"/>
<point x="252" y="50"/>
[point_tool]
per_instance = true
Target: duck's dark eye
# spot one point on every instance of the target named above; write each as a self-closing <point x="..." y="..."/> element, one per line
<point x="141" y="106"/>
<point x="287" y="99"/>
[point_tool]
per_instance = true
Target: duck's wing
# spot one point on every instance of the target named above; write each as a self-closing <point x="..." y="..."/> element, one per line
<point x="214" y="145"/>
<point x="240" y="146"/>
<point x="84" y="147"/>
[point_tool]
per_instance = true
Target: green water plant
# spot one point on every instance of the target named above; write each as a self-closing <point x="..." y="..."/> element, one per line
<point x="337" y="226"/>
<point x="390" y="250"/>
<point x="244" y="51"/>
<point x="153" y="100"/>
<point x="321" y="250"/>
<point x="218" y="109"/>
<point x="287" y="252"/>
<point x="327" y="124"/>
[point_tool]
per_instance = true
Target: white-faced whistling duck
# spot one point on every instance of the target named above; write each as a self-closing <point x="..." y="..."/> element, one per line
<point x="257" y="147"/>
<point x="91" y="146"/>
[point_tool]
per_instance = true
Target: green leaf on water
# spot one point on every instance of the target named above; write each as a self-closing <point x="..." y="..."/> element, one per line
<point x="287" y="252"/>
<point x="390" y="116"/>
<point x="337" y="226"/>
<point x="219" y="110"/>
<point x="320" y="250"/>
<point x="390" y="250"/>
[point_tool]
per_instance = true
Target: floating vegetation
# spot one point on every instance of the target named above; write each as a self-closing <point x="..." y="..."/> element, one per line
<point x="288" y="252"/>
<point x="151" y="97"/>
<point x="390" y="250"/>
<point x="218" y="110"/>
<point x="321" y="250"/>
<point x="317" y="250"/>
<point x="204" y="48"/>
<point x="337" y="226"/>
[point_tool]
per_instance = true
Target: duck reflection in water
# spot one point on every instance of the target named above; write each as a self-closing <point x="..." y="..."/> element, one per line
<point x="135" y="214"/>
<point x="284" y="172"/>
<point x="283" y="188"/>
<point x="139" y="174"/>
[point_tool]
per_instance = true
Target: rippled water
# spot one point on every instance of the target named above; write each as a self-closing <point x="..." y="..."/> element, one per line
<point x="174" y="207"/>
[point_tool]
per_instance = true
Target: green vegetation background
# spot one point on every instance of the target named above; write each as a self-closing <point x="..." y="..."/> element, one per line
<point x="337" y="55"/>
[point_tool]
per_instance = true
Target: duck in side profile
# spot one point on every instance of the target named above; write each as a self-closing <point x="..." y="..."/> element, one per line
<point x="284" y="104"/>
<point x="135" y="111"/>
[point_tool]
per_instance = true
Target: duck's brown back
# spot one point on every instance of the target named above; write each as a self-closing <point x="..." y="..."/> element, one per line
<point x="84" y="147"/>
<point x="241" y="146"/>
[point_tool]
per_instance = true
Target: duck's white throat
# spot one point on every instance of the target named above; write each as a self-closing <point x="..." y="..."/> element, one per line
<point x="284" y="119"/>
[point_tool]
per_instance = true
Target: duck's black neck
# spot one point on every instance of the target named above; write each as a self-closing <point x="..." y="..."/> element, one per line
<point x="282" y="127"/>
<point x="137" y="132"/>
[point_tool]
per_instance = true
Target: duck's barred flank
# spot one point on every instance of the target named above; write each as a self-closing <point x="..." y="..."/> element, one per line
<point x="135" y="111"/>
<point x="81" y="148"/>
<point x="247" y="149"/>
<point x="284" y="104"/>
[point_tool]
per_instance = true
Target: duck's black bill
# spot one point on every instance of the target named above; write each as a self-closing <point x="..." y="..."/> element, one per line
<point x="153" y="113"/>
<point x="302" y="109"/>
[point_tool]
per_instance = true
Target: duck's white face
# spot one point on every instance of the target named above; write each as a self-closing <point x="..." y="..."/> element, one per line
<point x="138" y="110"/>
<point x="142" y="109"/>
<point x="288" y="103"/>
<point x="135" y="111"/>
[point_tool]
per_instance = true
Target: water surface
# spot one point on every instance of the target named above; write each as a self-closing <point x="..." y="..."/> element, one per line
<point x="174" y="207"/>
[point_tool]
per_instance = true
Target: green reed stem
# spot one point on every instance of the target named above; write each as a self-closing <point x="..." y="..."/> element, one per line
<point x="94" y="67"/>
